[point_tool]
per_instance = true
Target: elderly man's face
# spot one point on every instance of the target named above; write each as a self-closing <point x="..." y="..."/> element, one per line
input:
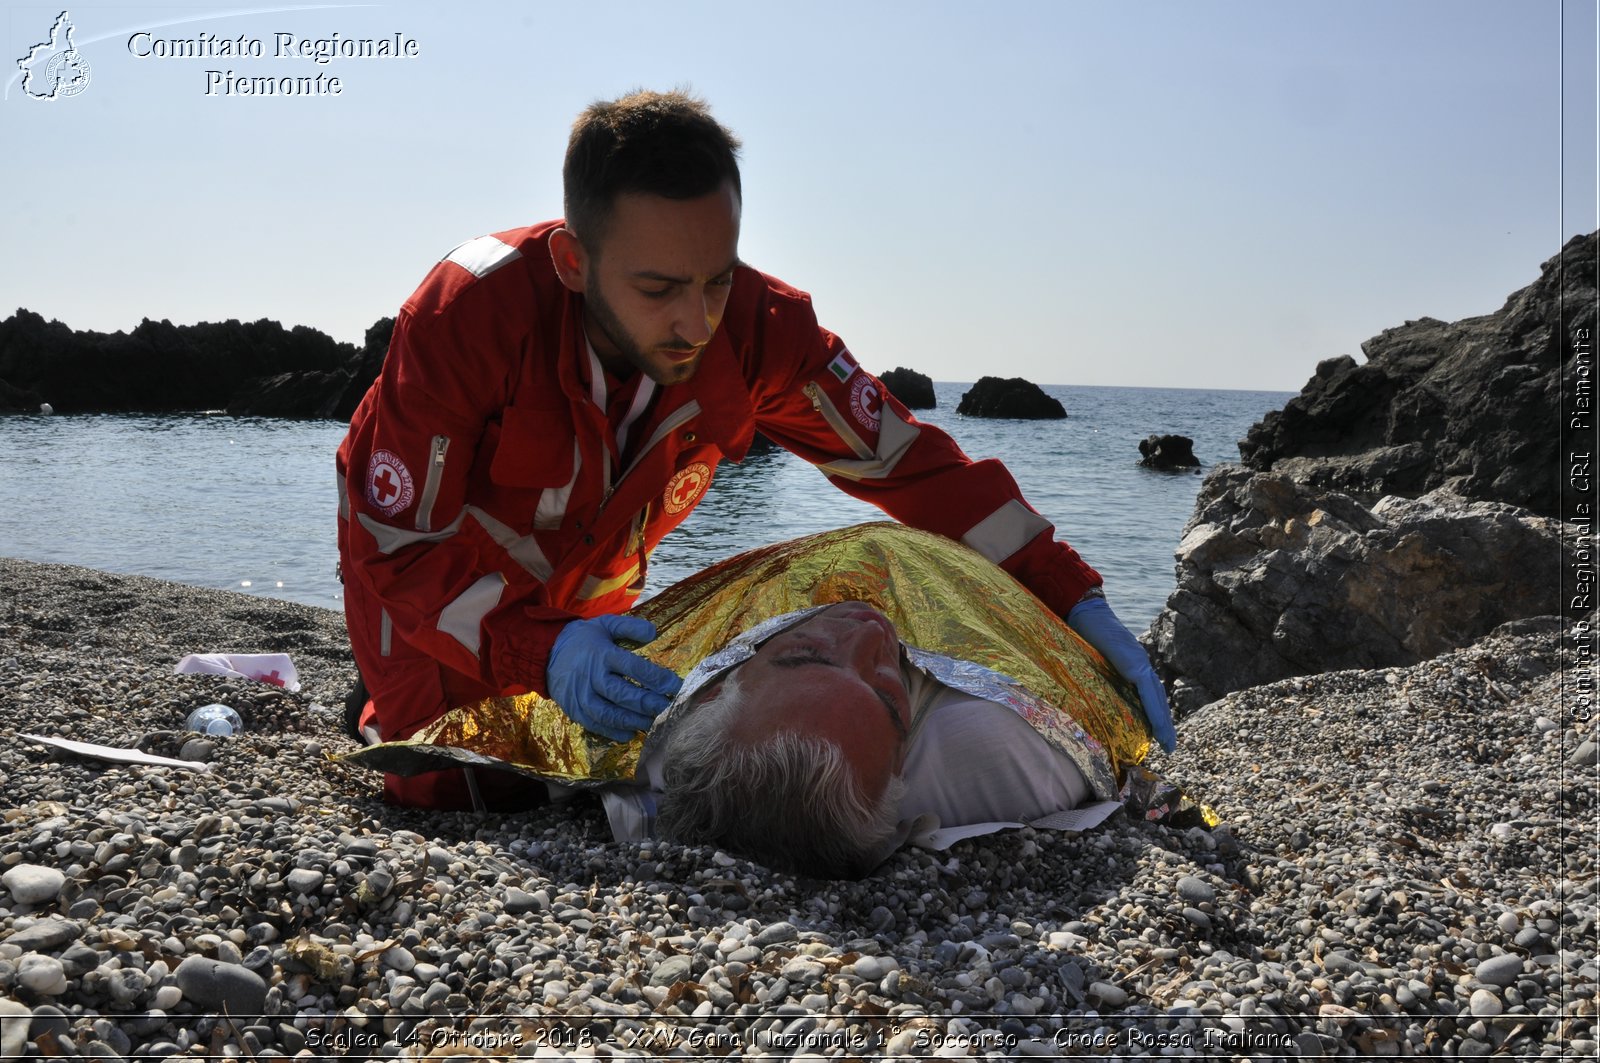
<point x="837" y="676"/>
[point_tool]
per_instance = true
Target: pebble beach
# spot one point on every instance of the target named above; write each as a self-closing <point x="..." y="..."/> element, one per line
<point x="1406" y="866"/>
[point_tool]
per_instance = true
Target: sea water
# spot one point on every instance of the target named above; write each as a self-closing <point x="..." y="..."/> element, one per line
<point x="248" y="504"/>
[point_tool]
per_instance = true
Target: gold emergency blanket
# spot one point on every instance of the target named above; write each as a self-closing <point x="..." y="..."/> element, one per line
<point x="942" y="596"/>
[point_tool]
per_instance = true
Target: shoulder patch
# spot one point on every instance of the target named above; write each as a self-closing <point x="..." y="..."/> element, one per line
<point x="389" y="484"/>
<point x="482" y="256"/>
<point x="842" y="366"/>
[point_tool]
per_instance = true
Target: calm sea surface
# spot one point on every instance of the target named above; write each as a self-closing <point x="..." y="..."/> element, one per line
<point x="248" y="504"/>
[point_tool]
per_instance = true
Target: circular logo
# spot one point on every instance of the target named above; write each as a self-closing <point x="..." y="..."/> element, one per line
<point x="67" y="73"/>
<point x="866" y="402"/>
<point x="389" y="485"/>
<point x="686" y="487"/>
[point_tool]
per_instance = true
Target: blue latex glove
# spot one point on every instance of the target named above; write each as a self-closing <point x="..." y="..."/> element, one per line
<point x="1097" y="625"/>
<point x="588" y="676"/>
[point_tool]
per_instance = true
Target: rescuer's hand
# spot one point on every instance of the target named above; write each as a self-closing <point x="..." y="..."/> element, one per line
<point x="609" y="690"/>
<point x="1097" y="625"/>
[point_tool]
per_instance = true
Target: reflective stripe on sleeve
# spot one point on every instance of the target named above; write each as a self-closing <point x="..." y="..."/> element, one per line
<point x="594" y="586"/>
<point x="385" y="634"/>
<point x="895" y="437"/>
<point x="523" y="549"/>
<point x="483" y="256"/>
<point x="391" y="539"/>
<point x="462" y="617"/>
<point x="344" y="496"/>
<point x="1005" y="531"/>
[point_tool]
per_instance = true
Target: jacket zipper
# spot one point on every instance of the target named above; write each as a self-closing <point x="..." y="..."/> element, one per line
<point x="664" y="429"/>
<point x="430" y="488"/>
<point x="836" y="421"/>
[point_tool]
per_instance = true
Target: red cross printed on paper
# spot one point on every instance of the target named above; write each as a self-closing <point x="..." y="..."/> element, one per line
<point x="274" y="678"/>
<point x="389" y="485"/>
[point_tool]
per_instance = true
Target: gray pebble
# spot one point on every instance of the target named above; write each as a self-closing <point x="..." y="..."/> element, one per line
<point x="45" y="935"/>
<point x="1585" y="755"/>
<point x="1307" y="1045"/>
<point x="519" y="902"/>
<point x="14" y="1021"/>
<point x="872" y="968"/>
<point x="213" y="984"/>
<point x="1198" y="918"/>
<point x="1499" y="970"/>
<point x="33" y="884"/>
<point x="775" y="934"/>
<point x="671" y="970"/>
<point x="1110" y="995"/>
<point x="41" y="974"/>
<point x="1484" y="1004"/>
<point x="304" y="880"/>
<point x="399" y="958"/>
<point x="1196" y="890"/>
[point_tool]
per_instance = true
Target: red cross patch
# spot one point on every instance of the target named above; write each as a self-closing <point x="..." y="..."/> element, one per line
<point x="866" y="402"/>
<point x="389" y="484"/>
<point x="686" y="487"/>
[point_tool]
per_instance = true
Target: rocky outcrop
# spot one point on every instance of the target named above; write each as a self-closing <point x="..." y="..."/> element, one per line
<point x="1278" y="579"/>
<point x="374" y="349"/>
<point x="913" y="389"/>
<point x="1168" y="452"/>
<point x="1469" y="405"/>
<point x="1015" y="397"/>
<point x="257" y="367"/>
<point x="18" y="400"/>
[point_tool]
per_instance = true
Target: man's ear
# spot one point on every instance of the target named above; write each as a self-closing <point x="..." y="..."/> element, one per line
<point x="570" y="259"/>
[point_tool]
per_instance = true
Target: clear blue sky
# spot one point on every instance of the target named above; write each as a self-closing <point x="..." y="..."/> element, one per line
<point x="1205" y="194"/>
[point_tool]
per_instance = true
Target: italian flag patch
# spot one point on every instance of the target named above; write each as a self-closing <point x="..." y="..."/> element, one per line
<point x="842" y="366"/>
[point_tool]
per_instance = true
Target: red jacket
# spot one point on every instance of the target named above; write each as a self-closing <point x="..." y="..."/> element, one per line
<point x="484" y="503"/>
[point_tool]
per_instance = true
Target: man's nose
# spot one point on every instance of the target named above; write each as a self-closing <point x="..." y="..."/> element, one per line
<point x="697" y="319"/>
<point x="864" y="642"/>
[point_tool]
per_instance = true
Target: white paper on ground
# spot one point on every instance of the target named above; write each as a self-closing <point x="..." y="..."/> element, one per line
<point x="1084" y="817"/>
<point x="274" y="668"/>
<point x="117" y="753"/>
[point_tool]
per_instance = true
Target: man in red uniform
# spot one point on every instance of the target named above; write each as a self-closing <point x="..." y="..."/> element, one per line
<point x="556" y="399"/>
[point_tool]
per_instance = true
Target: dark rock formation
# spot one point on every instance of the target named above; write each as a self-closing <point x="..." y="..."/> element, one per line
<point x="913" y="389"/>
<point x="1470" y="405"/>
<point x="1278" y="579"/>
<point x="18" y="400"/>
<point x="258" y="367"/>
<point x="993" y="396"/>
<point x="373" y="350"/>
<point x="1168" y="452"/>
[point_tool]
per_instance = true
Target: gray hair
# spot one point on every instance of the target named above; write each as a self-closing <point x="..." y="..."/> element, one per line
<point x="789" y="801"/>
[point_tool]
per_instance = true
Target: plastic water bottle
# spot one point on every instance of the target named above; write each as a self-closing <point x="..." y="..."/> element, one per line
<point x="215" y="719"/>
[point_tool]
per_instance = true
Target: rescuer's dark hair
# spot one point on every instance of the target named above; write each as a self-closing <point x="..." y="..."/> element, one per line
<point x="662" y="143"/>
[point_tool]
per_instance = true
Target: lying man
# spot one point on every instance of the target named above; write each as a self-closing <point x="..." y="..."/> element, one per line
<point x="831" y="742"/>
<point x="995" y="713"/>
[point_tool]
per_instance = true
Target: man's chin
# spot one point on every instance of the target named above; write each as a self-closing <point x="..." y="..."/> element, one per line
<point x="668" y="370"/>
